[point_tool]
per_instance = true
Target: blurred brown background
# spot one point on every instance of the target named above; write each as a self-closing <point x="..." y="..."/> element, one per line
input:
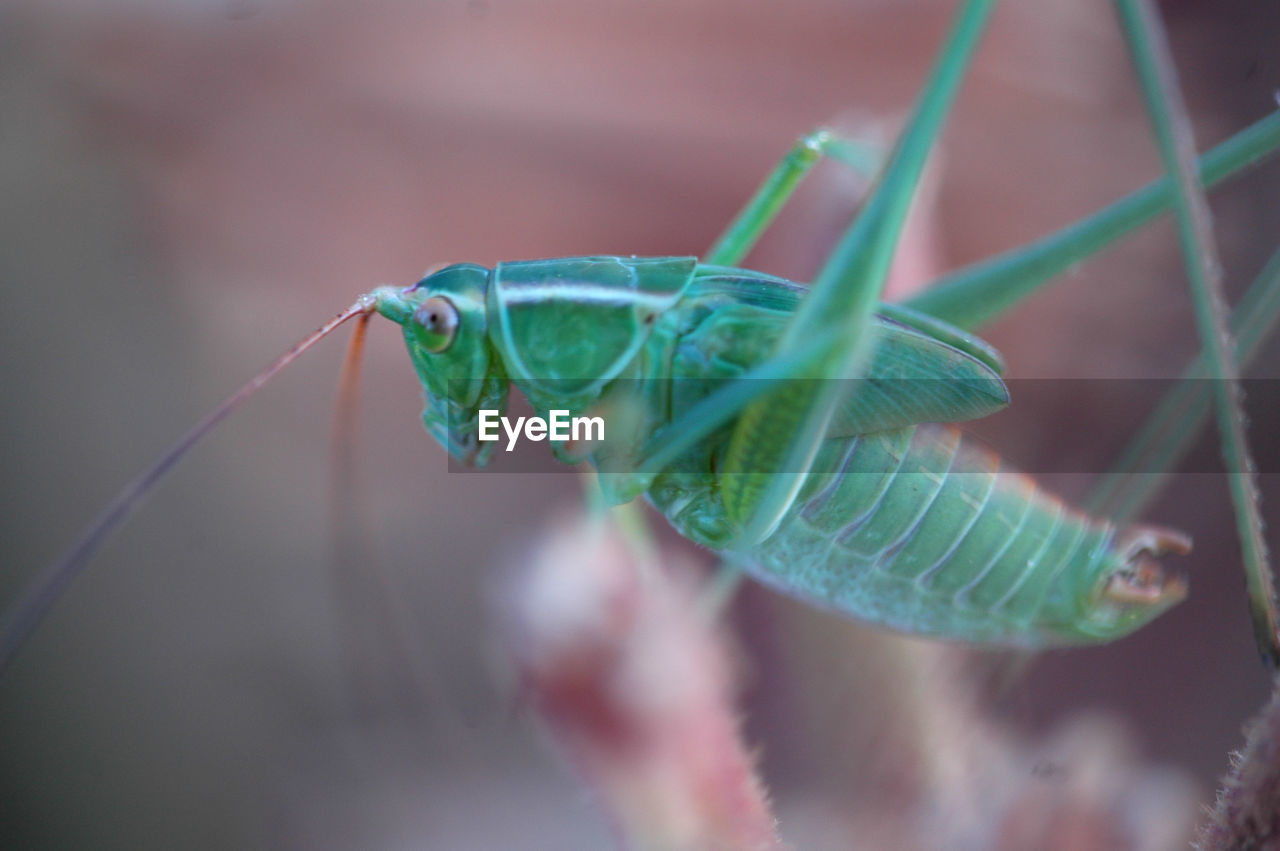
<point x="186" y="188"/>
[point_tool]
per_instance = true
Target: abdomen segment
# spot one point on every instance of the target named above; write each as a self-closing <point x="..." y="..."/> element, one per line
<point x="922" y="531"/>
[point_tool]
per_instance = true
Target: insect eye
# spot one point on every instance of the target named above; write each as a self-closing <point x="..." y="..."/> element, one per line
<point x="438" y="319"/>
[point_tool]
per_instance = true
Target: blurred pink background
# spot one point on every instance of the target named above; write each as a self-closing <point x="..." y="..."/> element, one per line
<point x="186" y="188"/>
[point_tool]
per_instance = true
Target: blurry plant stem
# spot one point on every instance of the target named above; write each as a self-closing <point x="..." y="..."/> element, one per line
<point x="1247" y="812"/>
<point x="635" y="688"/>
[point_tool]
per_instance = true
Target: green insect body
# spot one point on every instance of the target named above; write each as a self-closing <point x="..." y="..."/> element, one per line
<point x="895" y="519"/>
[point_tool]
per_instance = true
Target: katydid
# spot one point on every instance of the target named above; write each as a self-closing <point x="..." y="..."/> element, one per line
<point x="901" y="525"/>
<point x="864" y="508"/>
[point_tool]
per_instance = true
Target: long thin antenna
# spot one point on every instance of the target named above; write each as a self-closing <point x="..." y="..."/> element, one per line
<point x="49" y="584"/>
<point x="379" y="626"/>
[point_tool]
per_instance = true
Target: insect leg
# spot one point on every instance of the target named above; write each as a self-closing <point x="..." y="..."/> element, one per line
<point x="737" y="241"/>
<point x="744" y="231"/>
<point x="983" y="291"/>
<point x="776" y="439"/>
<point x="813" y="341"/>
<point x="978" y="293"/>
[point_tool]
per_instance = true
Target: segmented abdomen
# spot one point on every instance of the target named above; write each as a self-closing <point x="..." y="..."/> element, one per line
<point x="921" y="531"/>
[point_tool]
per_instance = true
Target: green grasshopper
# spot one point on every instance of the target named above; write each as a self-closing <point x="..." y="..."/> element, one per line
<point x="740" y="425"/>
<point x="900" y="524"/>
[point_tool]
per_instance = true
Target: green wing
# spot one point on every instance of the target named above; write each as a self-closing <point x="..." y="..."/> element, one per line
<point x="923" y="370"/>
<point x="916" y="378"/>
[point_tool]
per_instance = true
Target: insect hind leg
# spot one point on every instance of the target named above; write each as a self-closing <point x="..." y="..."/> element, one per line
<point x="742" y="234"/>
<point x="840" y="303"/>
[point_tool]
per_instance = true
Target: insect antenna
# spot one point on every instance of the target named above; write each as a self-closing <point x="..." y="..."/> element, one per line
<point x="49" y="584"/>
<point x="345" y="424"/>
<point x="384" y="670"/>
<point x="361" y="587"/>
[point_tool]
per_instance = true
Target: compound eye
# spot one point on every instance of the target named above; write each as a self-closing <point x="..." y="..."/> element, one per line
<point x="438" y="319"/>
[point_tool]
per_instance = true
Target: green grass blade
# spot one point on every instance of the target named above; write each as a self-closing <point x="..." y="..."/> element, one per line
<point x="978" y="293"/>
<point x="1154" y="64"/>
<point x="1168" y="434"/>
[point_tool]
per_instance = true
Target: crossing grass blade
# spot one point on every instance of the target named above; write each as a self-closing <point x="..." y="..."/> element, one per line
<point x="1150" y="52"/>
<point x="982" y="291"/>
<point x="1168" y="434"/>
<point x="847" y="289"/>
